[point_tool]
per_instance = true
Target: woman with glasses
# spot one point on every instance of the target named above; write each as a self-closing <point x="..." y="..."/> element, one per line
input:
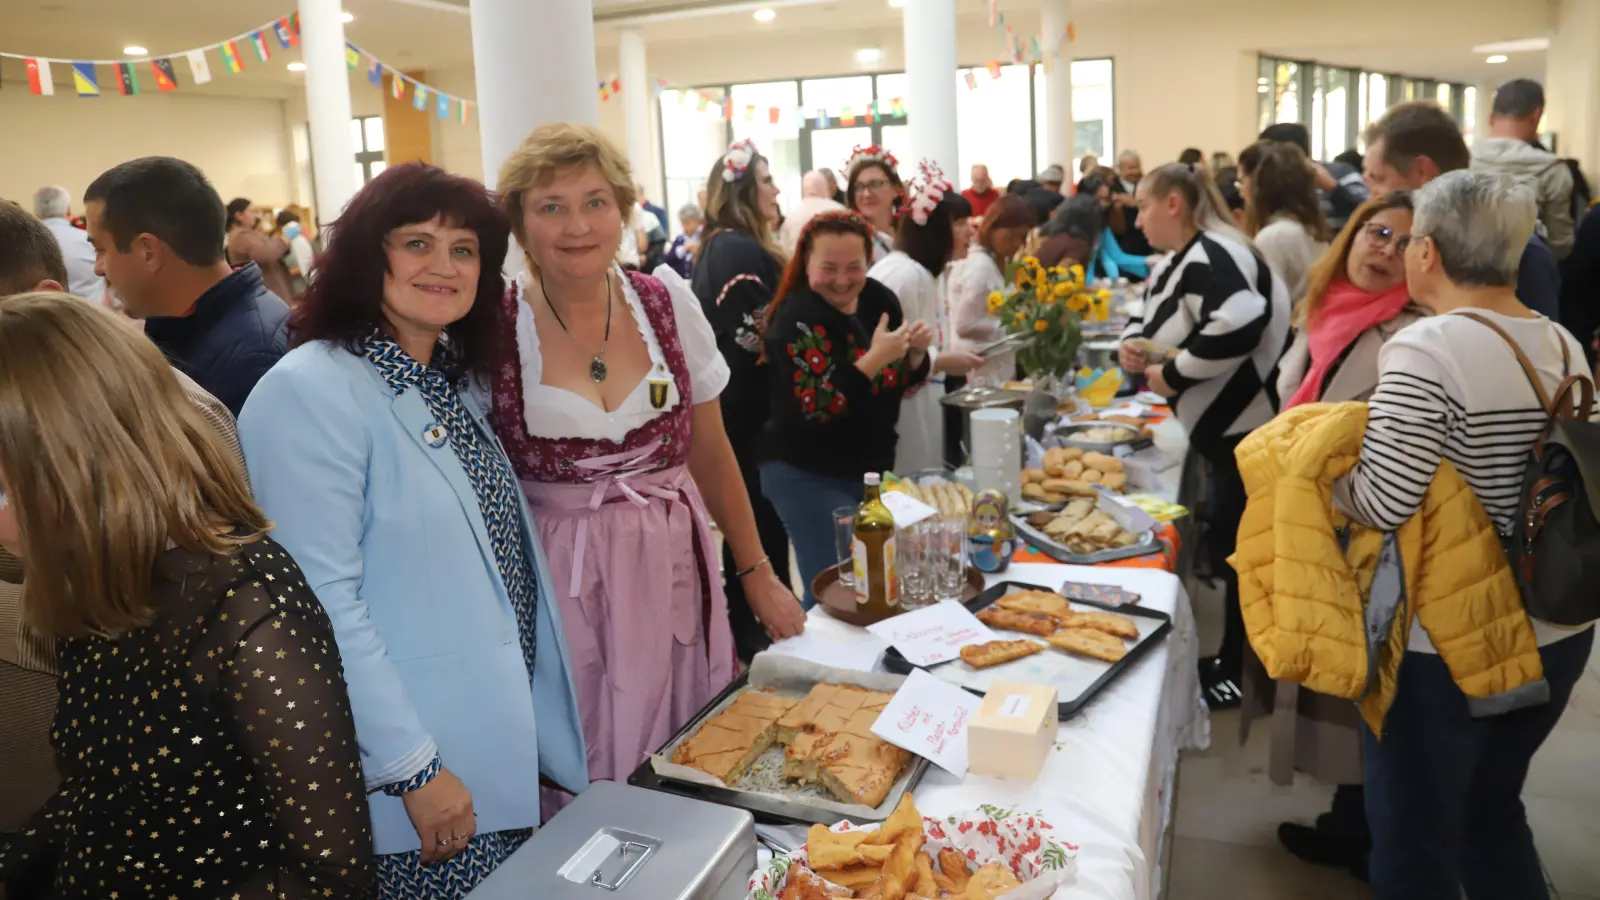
<point x="1357" y="300"/>
<point x="874" y="190"/>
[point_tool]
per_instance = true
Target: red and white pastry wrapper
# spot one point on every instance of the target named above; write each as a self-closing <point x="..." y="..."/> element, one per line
<point x="1019" y="840"/>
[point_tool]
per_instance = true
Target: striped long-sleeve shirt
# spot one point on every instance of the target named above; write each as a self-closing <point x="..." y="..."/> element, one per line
<point x="1226" y="312"/>
<point x="1450" y="388"/>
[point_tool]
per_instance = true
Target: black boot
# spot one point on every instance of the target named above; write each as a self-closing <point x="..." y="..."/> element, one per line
<point x="1340" y="837"/>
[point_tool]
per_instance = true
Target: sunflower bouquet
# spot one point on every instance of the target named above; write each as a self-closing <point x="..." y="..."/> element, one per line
<point x="1047" y="305"/>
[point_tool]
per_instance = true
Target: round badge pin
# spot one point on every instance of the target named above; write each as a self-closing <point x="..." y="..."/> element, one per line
<point x="435" y="435"/>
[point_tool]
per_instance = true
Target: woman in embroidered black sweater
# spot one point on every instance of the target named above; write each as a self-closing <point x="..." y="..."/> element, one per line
<point x="842" y="357"/>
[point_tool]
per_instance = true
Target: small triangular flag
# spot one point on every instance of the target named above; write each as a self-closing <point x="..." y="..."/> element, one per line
<point x="419" y="97"/>
<point x="352" y="57"/>
<point x="286" y="35"/>
<point x="39" y="80"/>
<point x="397" y="85"/>
<point x="231" y="59"/>
<point x="263" y="52"/>
<point x="199" y="67"/>
<point x="375" y="71"/>
<point x="461" y="112"/>
<point x="441" y="106"/>
<point x="83" y="78"/>
<point x="127" y="84"/>
<point x="166" y="78"/>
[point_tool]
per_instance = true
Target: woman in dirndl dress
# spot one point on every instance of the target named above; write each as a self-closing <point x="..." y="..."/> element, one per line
<point x="606" y="401"/>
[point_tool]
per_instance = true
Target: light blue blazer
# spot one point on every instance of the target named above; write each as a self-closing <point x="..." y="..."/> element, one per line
<point x="389" y="534"/>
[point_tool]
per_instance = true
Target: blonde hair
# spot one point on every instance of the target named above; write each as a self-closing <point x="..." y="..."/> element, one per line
<point x="106" y="463"/>
<point x="1206" y="209"/>
<point x="556" y="148"/>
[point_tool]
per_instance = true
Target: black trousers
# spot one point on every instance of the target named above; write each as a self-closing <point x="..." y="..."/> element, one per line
<point x="1222" y="536"/>
<point x="749" y="637"/>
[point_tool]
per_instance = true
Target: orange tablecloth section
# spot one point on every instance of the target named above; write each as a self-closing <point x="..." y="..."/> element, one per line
<point x="1166" y="560"/>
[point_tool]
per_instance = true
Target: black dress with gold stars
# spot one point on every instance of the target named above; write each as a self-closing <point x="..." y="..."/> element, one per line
<point x="208" y="754"/>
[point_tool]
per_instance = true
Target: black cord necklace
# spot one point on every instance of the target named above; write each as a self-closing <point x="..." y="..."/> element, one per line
<point x="597" y="363"/>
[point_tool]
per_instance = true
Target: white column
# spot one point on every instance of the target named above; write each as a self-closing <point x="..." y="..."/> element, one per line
<point x="328" y="106"/>
<point x="1060" y="130"/>
<point x="930" y="39"/>
<point x="637" y="92"/>
<point x="534" y="63"/>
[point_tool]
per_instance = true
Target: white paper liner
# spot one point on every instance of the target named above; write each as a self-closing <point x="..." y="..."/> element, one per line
<point x="1069" y="673"/>
<point x="1019" y="840"/>
<point x="792" y="677"/>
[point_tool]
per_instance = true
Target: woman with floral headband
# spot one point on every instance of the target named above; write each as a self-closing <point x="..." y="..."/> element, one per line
<point x="925" y="243"/>
<point x="874" y="190"/>
<point x="737" y="270"/>
<point x="843" y="356"/>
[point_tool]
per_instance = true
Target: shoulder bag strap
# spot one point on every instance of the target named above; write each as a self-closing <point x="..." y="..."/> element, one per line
<point x="1528" y="370"/>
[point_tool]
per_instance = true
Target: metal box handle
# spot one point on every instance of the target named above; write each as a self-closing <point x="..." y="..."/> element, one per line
<point x="633" y="854"/>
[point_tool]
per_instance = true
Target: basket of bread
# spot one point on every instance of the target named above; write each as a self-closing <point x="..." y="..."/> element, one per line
<point x="986" y="854"/>
<point x="1070" y="472"/>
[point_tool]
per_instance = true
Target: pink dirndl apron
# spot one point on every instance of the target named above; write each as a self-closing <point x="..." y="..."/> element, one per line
<point x="630" y="549"/>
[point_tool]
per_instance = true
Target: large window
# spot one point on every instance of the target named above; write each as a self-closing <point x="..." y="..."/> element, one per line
<point x="366" y="135"/>
<point x="1337" y="104"/>
<point x="804" y="124"/>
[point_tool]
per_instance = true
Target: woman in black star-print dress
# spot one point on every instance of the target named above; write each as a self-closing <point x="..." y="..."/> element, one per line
<point x="203" y="727"/>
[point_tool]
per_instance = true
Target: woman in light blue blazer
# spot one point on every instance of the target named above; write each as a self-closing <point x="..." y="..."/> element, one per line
<point x="368" y="447"/>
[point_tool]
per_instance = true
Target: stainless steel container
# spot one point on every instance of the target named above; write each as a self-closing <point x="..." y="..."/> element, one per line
<point x="1069" y="436"/>
<point x="617" y="842"/>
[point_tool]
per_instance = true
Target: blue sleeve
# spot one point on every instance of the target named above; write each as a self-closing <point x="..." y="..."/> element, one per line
<point x="1539" y="279"/>
<point x="307" y="449"/>
<point x="1115" y="257"/>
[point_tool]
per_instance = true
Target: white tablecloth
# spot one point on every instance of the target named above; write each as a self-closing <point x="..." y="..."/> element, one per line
<point x="1108" y="785"/>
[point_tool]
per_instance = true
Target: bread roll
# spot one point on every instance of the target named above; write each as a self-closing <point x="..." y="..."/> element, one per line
<point x="1072" y="453"/>
<point x="1034" y="492"/>
<point x="1033" y="476"/>
<point x="1092" y="476"/>
<point x="1073" y="469"/>
<point x="1116" y="481"/>
<point x="1102" y="462"/>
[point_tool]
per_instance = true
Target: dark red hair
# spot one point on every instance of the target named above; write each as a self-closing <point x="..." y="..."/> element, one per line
<point x="1010" y="211"/>
<point x="840" y="221"/>
<point x="344" y="301"/>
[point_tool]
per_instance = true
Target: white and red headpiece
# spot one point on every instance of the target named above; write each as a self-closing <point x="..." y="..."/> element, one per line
<point x="924" y="191"/>
<point x="738" y="158"/>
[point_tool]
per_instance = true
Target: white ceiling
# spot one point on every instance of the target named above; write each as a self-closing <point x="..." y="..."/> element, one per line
<point x="435" y="34"/>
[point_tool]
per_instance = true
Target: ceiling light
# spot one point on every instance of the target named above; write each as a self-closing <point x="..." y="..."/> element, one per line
<point x="347" y="17"/>
<point x="765" y="15"/>
<point x="1496" y="59"/>
<point x="135" y="50"/>
<point x="297" y="66"/>
<point x="1522" y="45"/>
<point x="868" y="56"/>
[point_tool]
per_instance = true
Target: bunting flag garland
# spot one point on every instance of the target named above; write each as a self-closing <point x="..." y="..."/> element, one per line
<point x="461" y="112"/>
<point x="397" y="85"/>
<point x="375" y="72"/>
<point x="419" y="97"/>
<point x="442" y="105"/>
<point x="230" y="57"/>
<point x="287" y="36"/>
<point x="263" y="52"/>
<point x="39" y="79"/>
<point x="84" y="80"/>
<point x="352" y="57"/>
<point x="127" y="84"/>
<point x="199" y="68"/>
<point x="166" y="78"/>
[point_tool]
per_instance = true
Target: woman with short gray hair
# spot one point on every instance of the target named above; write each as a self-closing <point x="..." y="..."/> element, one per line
<point x="1444" y="788"/>
<point x="686" y="246"/>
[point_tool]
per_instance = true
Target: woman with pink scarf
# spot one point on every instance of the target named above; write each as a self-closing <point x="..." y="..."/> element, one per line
<point x="1356" y="299"/>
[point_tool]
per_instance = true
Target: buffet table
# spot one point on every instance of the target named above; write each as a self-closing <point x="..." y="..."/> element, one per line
<point x="1109" y="785"/>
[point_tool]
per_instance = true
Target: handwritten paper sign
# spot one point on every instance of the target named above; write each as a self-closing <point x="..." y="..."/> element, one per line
<point x="929" y="717"/>
<point x="906" y="509"/>
<point x="933" y="634"/>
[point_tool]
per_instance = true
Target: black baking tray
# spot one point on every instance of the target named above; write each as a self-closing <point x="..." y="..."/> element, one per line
<point x="1066" y="709"/>
<point x="766" y="809"/>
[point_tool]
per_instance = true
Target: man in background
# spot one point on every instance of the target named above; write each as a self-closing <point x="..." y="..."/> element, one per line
<point x="53" y="206"/>
<point x="1416" y="142"/>
<point x="1052" y="177"/>
<point x="834" y="189"/>
<point x="816" y="197"/>
<point x="31" y="260"/>
<point x="1513" y="150"/>
<point x="157" y="226"/>
<point x="1340" y="189"/>
<point x="1130" y="170"/>
<point x="651" y="208"/>
<point x="982" y="194"/>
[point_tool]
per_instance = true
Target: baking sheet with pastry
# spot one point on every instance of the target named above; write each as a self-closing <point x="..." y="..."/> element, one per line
<point x="763" y="788"/>
<point x="1076" y="678"/>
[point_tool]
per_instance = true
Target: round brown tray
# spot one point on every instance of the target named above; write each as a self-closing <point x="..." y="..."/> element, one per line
<point x="841" y="601"/>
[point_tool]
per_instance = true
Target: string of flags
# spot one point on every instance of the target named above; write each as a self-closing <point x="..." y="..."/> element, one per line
<point x="232" y="54"/>
<point x="1031" y="51"/>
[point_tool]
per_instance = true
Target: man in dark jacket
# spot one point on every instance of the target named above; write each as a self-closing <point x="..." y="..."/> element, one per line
<point x="1416" y="142"/>
<point x="157" y="226"/>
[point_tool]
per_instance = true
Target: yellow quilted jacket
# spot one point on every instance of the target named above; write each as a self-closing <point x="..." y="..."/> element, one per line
<point x="1304" y="599"/>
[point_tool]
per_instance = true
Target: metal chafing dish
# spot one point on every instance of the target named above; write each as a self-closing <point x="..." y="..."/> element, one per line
<point x="617" y="842"/>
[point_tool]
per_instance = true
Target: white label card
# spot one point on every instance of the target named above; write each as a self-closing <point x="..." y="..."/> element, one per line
<point x="906" y="509"/>
<point x="1124" y="511"/>
<point x="1014" y="707"/>
<point x="929" y="717"/>
<point x="933" y="634"/>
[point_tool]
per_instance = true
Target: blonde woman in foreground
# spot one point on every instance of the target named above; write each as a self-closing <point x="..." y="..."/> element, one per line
<point x="201" y="692"/>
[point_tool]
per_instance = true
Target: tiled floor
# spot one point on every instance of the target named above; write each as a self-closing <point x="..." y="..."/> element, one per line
<point x="1225" y="840"/>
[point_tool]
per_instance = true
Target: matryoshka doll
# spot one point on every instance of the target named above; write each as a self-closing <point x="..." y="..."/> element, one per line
<point x="990" y="538"/>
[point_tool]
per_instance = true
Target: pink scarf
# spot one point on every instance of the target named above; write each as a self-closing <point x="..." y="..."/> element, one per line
<point x="1346" y="312"/>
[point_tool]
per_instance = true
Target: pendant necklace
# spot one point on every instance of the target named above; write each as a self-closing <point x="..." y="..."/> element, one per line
<point x="597" y="363"/>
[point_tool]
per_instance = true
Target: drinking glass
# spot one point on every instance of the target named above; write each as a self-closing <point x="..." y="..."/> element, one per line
<point x="913" y="565"/>
<point x="844" y="537"/>
<point x="948" y="552"/>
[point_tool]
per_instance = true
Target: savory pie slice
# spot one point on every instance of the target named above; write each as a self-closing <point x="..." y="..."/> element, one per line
<point x="1093" y="644"/>
<point x="858" y="769"/>
<point x="803" y="715"/>
<point x="1036" y="602"/>
<point x="1110" y="623"/>
<point x="993" y="653"/>
<point x="729" y="742"/>
<point x="1015" y="620"/>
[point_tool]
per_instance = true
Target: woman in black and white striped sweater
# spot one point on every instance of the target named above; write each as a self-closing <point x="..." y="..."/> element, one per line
<point x="1223" y="317"/>
<point x="1444" y="789"/>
